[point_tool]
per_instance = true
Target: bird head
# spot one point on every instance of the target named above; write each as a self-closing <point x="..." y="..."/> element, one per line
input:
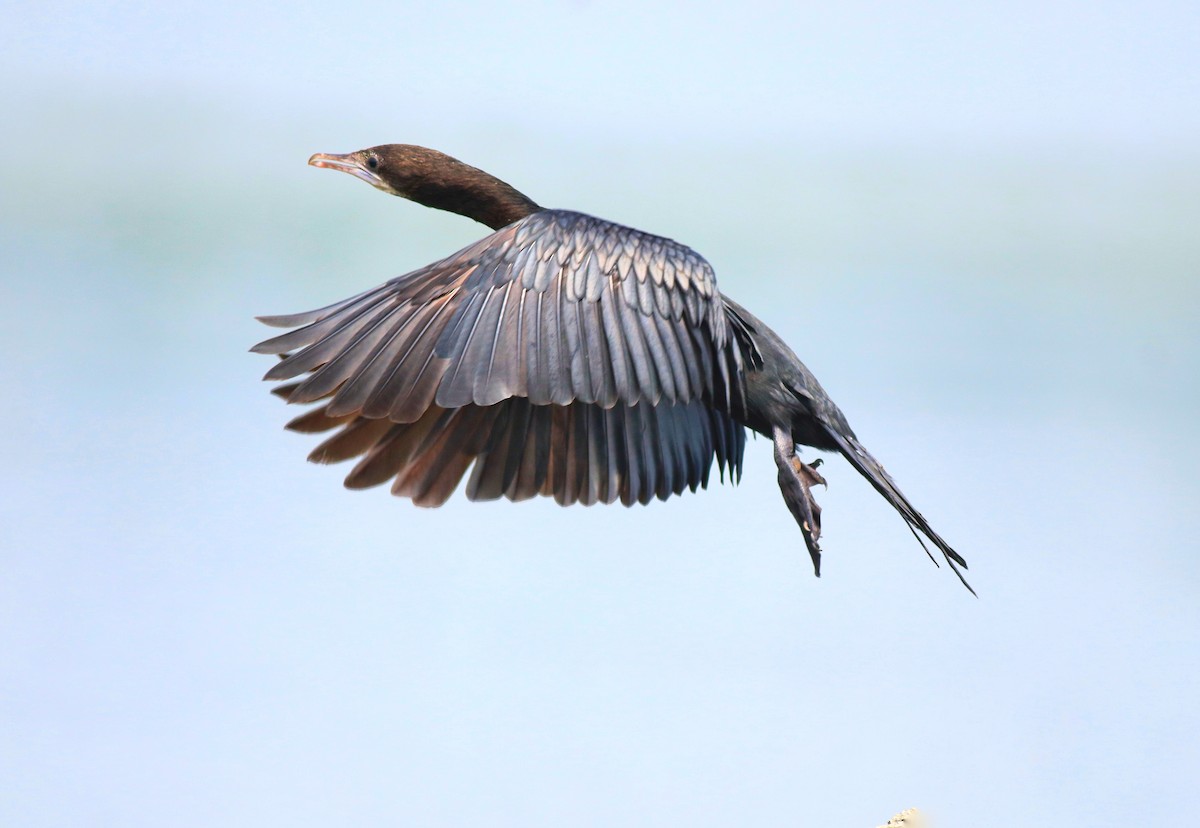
<point x="399" y="169"/>
<point x="434" y="179"/>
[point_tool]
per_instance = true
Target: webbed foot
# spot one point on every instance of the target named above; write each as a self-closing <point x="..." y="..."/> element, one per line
<point x="808" y="471"/>
<point x="796" y="480"/>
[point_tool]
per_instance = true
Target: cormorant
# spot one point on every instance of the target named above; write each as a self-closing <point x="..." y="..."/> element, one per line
<point x="562" y="355"/>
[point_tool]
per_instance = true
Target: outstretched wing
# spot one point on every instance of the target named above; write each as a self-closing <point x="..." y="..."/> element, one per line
<point x="598" y="361"/>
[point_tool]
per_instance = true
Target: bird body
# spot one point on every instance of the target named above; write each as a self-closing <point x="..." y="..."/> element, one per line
<point x="562" y="355"/>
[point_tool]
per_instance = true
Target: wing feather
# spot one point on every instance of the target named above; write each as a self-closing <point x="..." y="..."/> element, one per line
<point x="562" y="355"/>
<point x="575" y="261"/>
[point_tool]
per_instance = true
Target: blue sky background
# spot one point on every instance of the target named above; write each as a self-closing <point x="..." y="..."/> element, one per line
<point x="976" y="224"/>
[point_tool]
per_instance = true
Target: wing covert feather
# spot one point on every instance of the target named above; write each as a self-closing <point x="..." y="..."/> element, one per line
<point x="558" y="307"/>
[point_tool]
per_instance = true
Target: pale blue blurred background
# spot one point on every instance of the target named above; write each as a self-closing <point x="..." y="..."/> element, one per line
<point x="978" y="224"/>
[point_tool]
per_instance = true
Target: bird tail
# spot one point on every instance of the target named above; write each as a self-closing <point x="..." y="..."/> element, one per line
<point x="871" y="469"/>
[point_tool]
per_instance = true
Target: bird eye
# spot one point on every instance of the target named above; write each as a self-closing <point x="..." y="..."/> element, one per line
<point x="372" y="162"/>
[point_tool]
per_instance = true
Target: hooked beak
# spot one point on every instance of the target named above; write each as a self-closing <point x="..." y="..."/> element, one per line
<point x="349" y="163"/>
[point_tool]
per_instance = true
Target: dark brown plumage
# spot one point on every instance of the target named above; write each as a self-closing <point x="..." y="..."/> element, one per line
<point x="562" y="355"/>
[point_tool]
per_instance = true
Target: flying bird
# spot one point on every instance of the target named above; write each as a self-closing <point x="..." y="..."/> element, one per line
<point x="561" y="355"/>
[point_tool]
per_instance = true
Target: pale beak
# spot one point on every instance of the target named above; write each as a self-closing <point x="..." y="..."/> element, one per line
<point x="350" y="163"/>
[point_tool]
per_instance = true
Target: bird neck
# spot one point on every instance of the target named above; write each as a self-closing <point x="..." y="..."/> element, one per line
<point x="463" y="189"/>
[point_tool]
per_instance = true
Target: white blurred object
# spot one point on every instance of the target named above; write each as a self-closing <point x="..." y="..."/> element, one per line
<point x="908" y="818"/>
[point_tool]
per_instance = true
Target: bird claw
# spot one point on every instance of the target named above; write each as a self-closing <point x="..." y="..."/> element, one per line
<point x="811" y="524"/>
<point x="807" y="513"/>
<point x="796" y="480"/>
<point x="808" y="472"/>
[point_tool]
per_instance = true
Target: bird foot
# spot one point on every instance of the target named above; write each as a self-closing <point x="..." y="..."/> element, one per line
<point x="811" y="525"/>
<point x="796" y="480"/>
<point x="808" y="472"/>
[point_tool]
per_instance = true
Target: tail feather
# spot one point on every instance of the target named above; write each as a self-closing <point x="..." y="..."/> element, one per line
<point x="870" y="468"/>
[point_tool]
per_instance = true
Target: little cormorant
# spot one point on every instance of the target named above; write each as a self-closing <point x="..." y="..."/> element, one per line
<point x="562" y="355"/>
